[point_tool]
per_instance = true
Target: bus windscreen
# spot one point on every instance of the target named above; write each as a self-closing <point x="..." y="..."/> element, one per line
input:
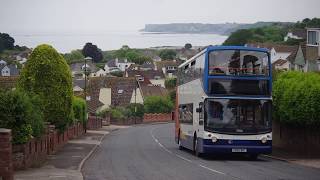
<point x="238" y="63"/>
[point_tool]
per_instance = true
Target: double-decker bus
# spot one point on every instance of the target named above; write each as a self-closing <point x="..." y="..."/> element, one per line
<point x="223" y="101"/>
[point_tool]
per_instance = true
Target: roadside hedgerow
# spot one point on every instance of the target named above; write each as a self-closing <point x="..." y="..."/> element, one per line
<point x="47" y="75"/>
<point x="158" y="104"/>
<point x="22" y="114"/>
<point x="79" y="109"/>
<point x="296" y="98"/>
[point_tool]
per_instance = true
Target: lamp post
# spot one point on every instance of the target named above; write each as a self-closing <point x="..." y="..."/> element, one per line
<point x="85" y="85"/>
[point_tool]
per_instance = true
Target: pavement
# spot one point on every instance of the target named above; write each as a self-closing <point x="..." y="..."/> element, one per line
<point x="149" y="152"/>
<point x="66" y="164"/>
<point x="282" y="155"/>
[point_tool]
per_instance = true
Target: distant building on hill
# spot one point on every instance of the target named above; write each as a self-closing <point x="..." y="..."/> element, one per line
<point x="8" y="69"/>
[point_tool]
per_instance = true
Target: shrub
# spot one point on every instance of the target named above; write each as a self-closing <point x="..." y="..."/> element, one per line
<point x="139" y="109"/>
<point x="47" y="74"/>
<point x="167" y="54"/>
<point x="79" y="107"/>
<point x="170" y="83"/>
<point x="158" y="104"/>
<point x="296" y="98"/>
<point x="22" y="114"/>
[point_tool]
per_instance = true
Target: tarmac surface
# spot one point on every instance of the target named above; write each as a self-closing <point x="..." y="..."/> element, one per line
<point x="149" y="152"/>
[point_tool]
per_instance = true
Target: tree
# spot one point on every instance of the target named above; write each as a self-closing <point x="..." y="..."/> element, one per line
<point x="157" y="104"/>
<point x="167" y="54"/>
<point x="47" y="75"/>
<point x="90" y="50"/>
<point x="170" y="83"/>
<point x="74" y="56"/>
<point x="6" y="42"/>
<point x="188" y="46"/>
<point x="239" y="38"/>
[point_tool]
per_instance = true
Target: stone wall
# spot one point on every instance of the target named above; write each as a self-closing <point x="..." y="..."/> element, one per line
<point x="6" y="167"/>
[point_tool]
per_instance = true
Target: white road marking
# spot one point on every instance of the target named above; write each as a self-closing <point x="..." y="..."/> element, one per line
<point x="215" y="171"/>
<point x="181" y="157"/>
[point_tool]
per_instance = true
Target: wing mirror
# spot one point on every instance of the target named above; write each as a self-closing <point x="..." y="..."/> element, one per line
<point x="198" y="110"/>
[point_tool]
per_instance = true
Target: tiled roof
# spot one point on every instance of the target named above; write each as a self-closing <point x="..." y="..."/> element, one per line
<point x="279" y="62"/>
<point x="150" y="74"/>
<point x="151" y="90"/>
<point x="147" y="65"/>
<point x="79" y="82"/>
<point x="277" y="47"/>
<point x="8" y="82"/>
<point x="302" y="33"/>
<point x="118" y="98"/>
<point x="111" y="63"/>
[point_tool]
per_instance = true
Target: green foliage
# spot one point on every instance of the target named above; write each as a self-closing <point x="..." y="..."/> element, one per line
<point x="167" y="54"/>
<point x="135" y="109"/>
<point x="296" y="99"/>
<point x="172" y="95"/>
<point x="6" y="42"/>
<point x="74" y="56"/>
<point x="264" y="34"/>
<point x="91" y="50"/>
<point x="79" y="107"/>
<point x="170" y="83"/>
<point x="158" y="104"/>
<point x="292" y="41"/>
<point x="132" y="55"/>
<point x="22" y="114"/>
<point x="47" y="74"/>
<point x="311" y="23"/>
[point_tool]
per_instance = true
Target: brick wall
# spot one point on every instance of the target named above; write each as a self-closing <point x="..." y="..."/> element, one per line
<point x="127" y="121"/>
<point x="147" y="118"/>
<point x="35" y="152"/>
<point x="6" y="167"/>
<point x="298" y="140"/>
<point x="94" y="122"/>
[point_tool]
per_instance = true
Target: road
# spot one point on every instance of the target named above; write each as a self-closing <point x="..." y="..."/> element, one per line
<point x="148" y="152"/>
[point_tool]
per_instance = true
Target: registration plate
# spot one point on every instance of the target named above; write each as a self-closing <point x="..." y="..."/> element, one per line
<point x="239" y="150"/>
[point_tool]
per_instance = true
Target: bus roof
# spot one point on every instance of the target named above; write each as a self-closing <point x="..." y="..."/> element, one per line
<point x="212" y="48"/>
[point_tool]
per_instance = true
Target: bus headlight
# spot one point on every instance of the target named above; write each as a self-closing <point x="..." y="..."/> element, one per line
<point x="264" y="140"/>
<point x="214" y="139"/>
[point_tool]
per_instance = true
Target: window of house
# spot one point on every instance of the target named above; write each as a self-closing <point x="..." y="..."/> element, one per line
<point x="120" y="91"/>
<point x="312" y="38"/>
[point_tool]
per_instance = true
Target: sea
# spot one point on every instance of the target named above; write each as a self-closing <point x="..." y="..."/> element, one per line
<point x="65" y="42"/>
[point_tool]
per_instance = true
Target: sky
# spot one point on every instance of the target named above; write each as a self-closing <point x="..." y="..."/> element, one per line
<point x="22" y="16"/>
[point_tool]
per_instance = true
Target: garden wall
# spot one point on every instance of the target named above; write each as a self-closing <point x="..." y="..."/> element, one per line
<point x="6" y="168"/>
<point x="35" y="152"/>
<point x="300" y="140"/>
<point x="149" y="118"/>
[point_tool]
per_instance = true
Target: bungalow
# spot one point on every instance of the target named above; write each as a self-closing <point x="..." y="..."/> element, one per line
<point x="296" y="34"/>
<point x="169" y="68"/>
<point x="117" y="65"/>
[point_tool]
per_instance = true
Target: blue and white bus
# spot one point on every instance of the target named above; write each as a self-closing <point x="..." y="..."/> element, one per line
<point x="223" y="102"/>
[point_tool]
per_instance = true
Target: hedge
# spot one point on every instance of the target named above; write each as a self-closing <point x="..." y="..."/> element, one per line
<point x="22" y="114"/>
<point x="296" y="98"/>
<point x="158" y="104"/>
<point x="79" y="107"/>
<point x="47" y="74"/>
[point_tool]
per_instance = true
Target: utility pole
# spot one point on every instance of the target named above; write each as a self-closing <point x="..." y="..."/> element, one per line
<point x="85" y="85"/>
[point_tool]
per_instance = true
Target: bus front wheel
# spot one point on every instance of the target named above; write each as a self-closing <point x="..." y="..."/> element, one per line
<point x="195" y="147"/>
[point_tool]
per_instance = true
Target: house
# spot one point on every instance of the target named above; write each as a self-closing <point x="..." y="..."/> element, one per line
<point x="8" y="69"/>
<point x="117" y="65"/>
<point x="313" y="37"/>
<point x="104" y="92"/>
<point x="78" y="69"/>
<point x="276" y="51"/>
<point x="296" y="34"/>
<point x="147" y="66"/>
<point x="156" y="77"/>
<point x="78" y="85"/>
<point x="281" y="64"/>
<point x="169" y="68"/>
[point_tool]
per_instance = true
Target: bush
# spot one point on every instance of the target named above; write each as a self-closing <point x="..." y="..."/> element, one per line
<point x="170" y="83"/>
<point x="139" y="109"/>
<point x="167" y="54"/>
<point x="158" y="104"/>
<point x="123" y="112"/>
<point x="296" y="98"/>
<point x="79" y="107"/>
<point x="47" y="74"/>
<point x="22" y="114"/>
